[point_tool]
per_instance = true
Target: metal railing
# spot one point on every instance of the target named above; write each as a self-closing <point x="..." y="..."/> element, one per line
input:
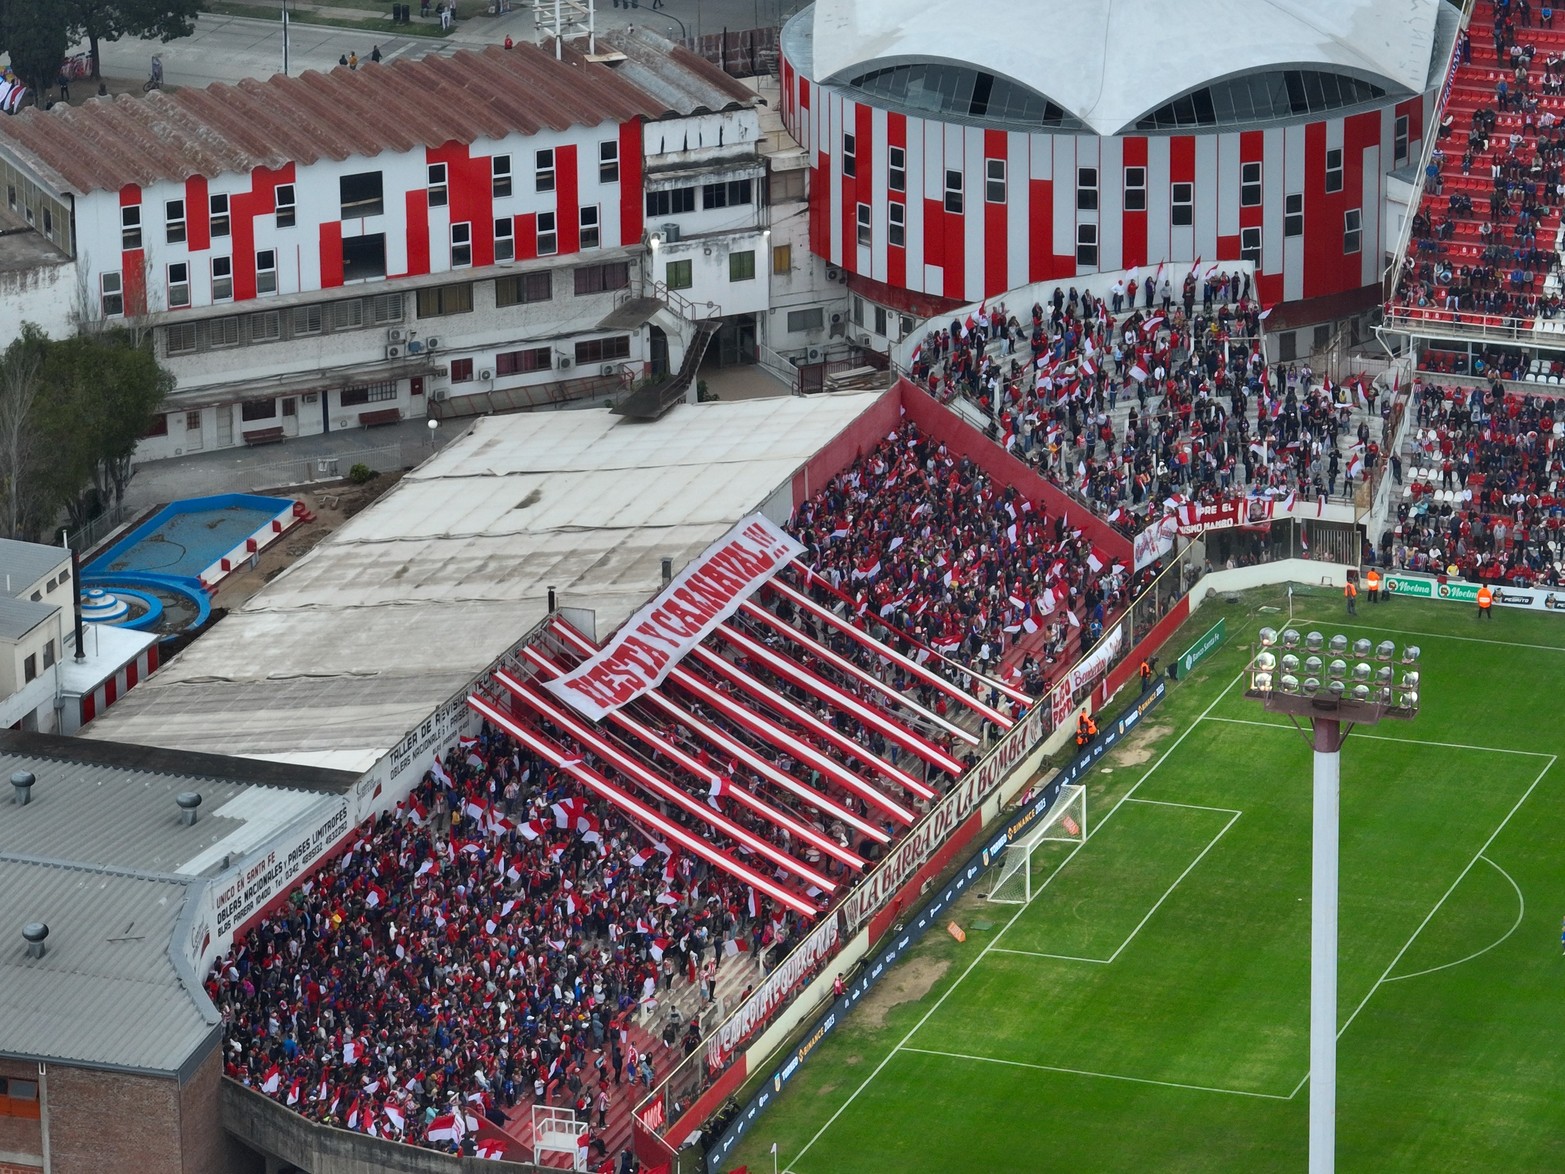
<point x="86" y="539"/>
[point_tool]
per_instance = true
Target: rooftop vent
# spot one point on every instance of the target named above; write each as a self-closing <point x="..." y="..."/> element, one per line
<point x="23" y="781"/>
<point x="35" y="932"/>
<point x="188" y="802"/>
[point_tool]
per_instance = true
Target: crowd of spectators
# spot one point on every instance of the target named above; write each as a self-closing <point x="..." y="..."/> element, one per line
<point x="1483" y="237"/>
<point x="1208" y="418"/>
<point x="1487" y="506"/>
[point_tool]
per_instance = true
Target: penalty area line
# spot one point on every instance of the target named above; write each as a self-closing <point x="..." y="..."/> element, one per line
<point x="1232" y="1092"/>
<point x="1244" y="721"/>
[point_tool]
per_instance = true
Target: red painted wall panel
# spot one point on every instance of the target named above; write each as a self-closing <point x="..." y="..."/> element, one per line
<point x="1322" y="210"/>
<point x="470" y="195"/>
<point x="417" y="204"/>
<point x="906" y="898"/>
<point x="133" y="271"/>
<point x="934" y="233"/>
<point x="1133" y="225"/>
<point x="198" y="214"/>
<point x="997" y="245"/>
<point x="1181" y="159"/>
<point x="243" y="208"/>
<point x="567" y="212"/>
<point x="1040" y="208"/>
<point x="632" y="210"/>
<point x="331" y="254"/>
<point x="526" y="236"/>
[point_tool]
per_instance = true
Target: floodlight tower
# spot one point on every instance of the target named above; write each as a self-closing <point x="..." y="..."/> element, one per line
<point x="1333" y="697"/>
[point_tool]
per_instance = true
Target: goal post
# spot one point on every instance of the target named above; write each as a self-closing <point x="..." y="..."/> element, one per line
<point x="1065" y="822"/>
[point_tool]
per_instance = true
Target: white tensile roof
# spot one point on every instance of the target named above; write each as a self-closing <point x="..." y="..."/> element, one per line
<point x="1108" y="62"/>
<point x="334" y="661"/>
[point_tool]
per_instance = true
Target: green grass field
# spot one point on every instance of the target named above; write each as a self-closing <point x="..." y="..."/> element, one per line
<point x="1148" y="1011"/>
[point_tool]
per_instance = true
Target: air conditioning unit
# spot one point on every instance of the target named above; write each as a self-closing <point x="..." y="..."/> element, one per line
<point x="309" y="397"/>
<point x="394" y="334"/>
<point x="833" y="273"/>
<point x="864" y="340"/>
<point x="486" y="374"/>
<point x="563" y="362"/>
<point x="440" y="395"/>
<point x="815" y="354"/>
<point x="444" y="372"/>
<point x="432" y="345"/>
<point x="415" y="347"/>
<point x="611" y="368"/>
<point x="836" y="319"/>
<point x="394" y="351"/>
<point x="670" y="233"/>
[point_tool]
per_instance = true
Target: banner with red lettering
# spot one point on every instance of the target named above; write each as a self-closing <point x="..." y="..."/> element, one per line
<point x="1195" y="516"/>
<point x="652" y="642"/>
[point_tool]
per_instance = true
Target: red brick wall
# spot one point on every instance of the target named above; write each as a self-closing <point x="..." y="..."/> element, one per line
<point x="203" y="1143"/>
<point x="113" y="1121"/>
<point x="20" y="1135"/>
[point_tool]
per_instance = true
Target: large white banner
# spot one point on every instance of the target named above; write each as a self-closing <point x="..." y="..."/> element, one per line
<point x="1155" y="541"/>
<point x="700" y="597"/>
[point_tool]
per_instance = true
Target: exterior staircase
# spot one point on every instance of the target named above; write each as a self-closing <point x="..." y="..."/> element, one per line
<point x="682" y="321"/>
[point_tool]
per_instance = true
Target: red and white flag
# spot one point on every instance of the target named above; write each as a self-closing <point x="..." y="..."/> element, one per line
<point x="272" y="1079"/>
<point x="294" y="1090"/>
<point x="376" y="897"/>
<point x="491" y="1149"/>
<point x="444" y="1128"/>
<point x="718" y="790"/>
<point x="394" y="1115"/>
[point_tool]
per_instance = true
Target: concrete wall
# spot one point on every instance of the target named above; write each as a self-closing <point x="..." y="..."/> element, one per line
<point x="43" y="294"/>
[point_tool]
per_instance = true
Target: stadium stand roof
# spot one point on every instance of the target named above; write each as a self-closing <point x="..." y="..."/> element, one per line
<point x="1108" y="45"/>
<point x="104" y="144"/>
<point x="334" y="661"/>
<point x="101" y="857"/>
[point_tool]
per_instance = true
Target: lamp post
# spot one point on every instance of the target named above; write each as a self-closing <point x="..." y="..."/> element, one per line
<point x="1335" y="687"/>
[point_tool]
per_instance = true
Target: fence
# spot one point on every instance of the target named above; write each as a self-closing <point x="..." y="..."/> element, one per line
<point x="85" y="540"/>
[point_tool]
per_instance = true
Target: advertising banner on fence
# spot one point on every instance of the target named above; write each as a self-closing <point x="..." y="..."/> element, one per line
<point x="931" y="832"/>
<point x="1532" y="598"/>
<point x="1196" y="516"/>
<point x="703" y="595"/>
<point x="775" y="988"/>
<point x="1203" y="648"/>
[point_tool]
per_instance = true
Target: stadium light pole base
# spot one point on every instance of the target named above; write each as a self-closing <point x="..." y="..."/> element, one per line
<point x="1327" y="742"/>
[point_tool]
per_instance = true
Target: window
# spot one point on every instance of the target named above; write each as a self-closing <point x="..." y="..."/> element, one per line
<point x="741" y="266"/>
<point x="504" y="239"/>
<point x="858" y="311"/>
<point x="306" y="320"/>
<point x="159" y="428"/>
<point x="10" y="195"/>
<point x="727" y="195"/>
<point x="1352" y="230"/>
<point x="1288" y="345"/>
<point x="953" y="191"/>
<point x="441" y="300"/>
<point x="1086" y="244"/>
<point x="782" y="258"/>
<point x="1250" y="246"/>
<point x="222" y="332"/>
<point x="386" y="308"/>
<point x="994" y="181"/>
<point x="1293" y="215"/>
<point x="608" y="162"/>
<point x="862" y="214"/>
<point x="48" y="223"/>
<point x="1334" y="169"/>
<point x="291" y="405"/>
<point x="192" y="421"/>
<point x="258" y="409"/>
<point x="348" y="315"/>
<point x="850" y="160"/>
<point x="435" y="181"/>
<point x="361" y="195"/>
<point x="178" y="284"/>
<point x="363" y="257"/>
<point x="461" y="370"/>
<point x="880" y="321"/>
<point x="48" y="648"/>
<point x="266" y="327"/>
<point x="1087" y="189"/>
<point x="801" y="320"/>
<point x="601" y="350"/>
<point x="174" y="221"/>
<point x="521" y="362"/>
<point x="500" y="175"/>
<point x="266" y="271"/>
<point x="671" y="201"/>
<point x="218" y="206"/>
<point x="589" y="226"/>
<point x="285" y="205"/>
<point x="1250" y="184"/>
<point x="111" y="295"/>
<point x="18" y="1098"/>
<point x="368" y="393"/>
<point x="222" y="279"/>
<point x="181" y="340"/>
<point x="30" y="667"/>
<point x="592" y="279"/>
<point x="525" y="288"/>
<point x="543" y="171"/>
<point x="130" y="226"/>
<point x="548" y="238"/>
<point x="896" y="225"/>
<point x="1399" y="141"/>
<point x="1135" y="189"/>
<point x="461" y="245"/>
<point x="1183" y="210"/>
<point x="677" y="275"/>
<point x="896" y="169"/>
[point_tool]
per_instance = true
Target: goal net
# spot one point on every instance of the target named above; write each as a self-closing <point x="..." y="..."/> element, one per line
<point x="1066" y="821"/>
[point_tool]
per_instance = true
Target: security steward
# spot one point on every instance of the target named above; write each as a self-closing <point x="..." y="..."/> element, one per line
<point x="1372" y="583"/>
<point x="1485" y="602"/>
<point x="1146" y="675"/>
<point x="1351" y="594"/>
<point x="1086" y="729"/>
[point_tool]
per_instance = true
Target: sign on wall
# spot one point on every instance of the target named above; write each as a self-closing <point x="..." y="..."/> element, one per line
<point x="1532" y="598"/>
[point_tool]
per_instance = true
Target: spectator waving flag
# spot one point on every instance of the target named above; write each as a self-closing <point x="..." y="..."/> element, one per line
<point x="443" y="1128"/>
<point x="394" y="1115"/>
<point x="294" y="1090"/>
<point x="272" y="1079"/>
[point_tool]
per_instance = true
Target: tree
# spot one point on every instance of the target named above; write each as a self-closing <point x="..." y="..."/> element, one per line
<point x="22" y="499"/>
<point x="35" y="33"/>
<point x="109" y="20"/>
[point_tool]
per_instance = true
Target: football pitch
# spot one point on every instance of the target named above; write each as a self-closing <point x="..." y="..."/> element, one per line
<point x="1148" y="1010"/>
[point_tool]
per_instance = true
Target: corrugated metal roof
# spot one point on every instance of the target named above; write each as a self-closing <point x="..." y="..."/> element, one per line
<point x="104" y="144"/>
<point x="24" y="563"/>
<point x="106" y="991"/>
<point x="20" y="616"/>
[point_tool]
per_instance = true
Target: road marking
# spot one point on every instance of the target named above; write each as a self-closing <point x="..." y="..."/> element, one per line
<point x="982" y="954"/>
<point x="1521" y="911"/>
<point x="1233" y="1092"/>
